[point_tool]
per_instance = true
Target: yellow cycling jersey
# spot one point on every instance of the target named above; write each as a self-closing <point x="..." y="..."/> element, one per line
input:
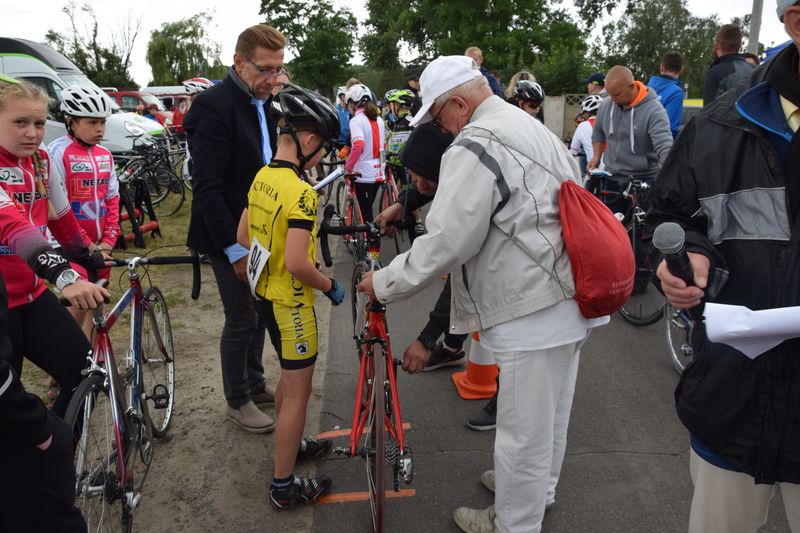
<point x="279" y="200"/>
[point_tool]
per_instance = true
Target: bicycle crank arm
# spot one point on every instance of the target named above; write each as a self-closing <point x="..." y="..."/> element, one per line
<point x="341" y="450"/>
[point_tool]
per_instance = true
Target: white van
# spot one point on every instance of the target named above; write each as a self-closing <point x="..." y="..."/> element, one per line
<point x="40" y="64"/>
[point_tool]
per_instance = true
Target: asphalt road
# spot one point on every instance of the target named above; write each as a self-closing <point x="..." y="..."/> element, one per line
<point x="626" y="467"/>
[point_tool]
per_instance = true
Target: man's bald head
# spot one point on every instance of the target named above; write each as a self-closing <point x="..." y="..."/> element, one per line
<point x="621" y="86"/>
<point x="619" y="74"/>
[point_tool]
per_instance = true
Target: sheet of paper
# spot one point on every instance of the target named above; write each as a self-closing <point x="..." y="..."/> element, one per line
<point x="751" y="332"/>
<point x="329" y="178"/>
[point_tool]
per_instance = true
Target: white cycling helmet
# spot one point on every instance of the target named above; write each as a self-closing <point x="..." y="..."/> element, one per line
<point x="591" y="104"/>
<point x="197" y="85"/>
<point x="85" y="101"/>
<point x="358" y="93"/>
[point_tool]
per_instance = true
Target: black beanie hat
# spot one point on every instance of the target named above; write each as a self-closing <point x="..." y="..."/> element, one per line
<point x="423" y="151"/>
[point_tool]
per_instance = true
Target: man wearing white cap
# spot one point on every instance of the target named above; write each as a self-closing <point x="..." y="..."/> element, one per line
<point x="494" y="226"/>
<point x="731" y="182"/>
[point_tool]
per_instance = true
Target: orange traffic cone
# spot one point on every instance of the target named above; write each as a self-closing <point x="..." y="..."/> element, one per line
<point x="479" y="379"/>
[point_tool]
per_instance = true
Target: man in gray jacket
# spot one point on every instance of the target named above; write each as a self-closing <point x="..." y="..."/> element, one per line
<point x="631" y="131"/>
<point x="494" y="226"/>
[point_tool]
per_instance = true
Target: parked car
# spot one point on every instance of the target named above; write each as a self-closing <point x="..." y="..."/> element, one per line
<point x="128" y="100"/>
<point x="40" y="64"/>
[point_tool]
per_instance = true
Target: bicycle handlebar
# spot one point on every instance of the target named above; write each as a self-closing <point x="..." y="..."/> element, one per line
<point x="193" y="259"/>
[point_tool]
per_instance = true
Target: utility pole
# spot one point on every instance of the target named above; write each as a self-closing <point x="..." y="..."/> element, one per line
<point x="755" y="27"/>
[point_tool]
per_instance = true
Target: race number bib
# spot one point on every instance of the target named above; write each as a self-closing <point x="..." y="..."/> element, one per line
<point x="256" y="261"/>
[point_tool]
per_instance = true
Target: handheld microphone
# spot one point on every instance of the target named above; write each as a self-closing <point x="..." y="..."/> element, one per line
<point x="670" y="238"/>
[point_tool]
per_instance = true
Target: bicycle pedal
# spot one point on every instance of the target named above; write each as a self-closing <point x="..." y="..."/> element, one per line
<point x="341" y="450"/>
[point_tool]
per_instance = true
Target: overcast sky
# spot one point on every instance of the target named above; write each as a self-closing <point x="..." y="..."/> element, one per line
<point x="31" y="20"/>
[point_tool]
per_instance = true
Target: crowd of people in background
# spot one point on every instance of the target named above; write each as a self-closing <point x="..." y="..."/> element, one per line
<point x="442" y="133"/>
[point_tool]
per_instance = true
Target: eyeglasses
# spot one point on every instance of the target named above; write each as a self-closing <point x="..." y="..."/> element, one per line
<point x="266" y="72"/>
<point x="435" y="122"/>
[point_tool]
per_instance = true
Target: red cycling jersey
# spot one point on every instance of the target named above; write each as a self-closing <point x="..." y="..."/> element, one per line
<point x="24" y="194"/>
<point x="86" y="174"/>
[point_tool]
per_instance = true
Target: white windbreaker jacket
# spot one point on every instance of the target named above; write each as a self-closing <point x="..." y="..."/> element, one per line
<point x="493" y="224"/>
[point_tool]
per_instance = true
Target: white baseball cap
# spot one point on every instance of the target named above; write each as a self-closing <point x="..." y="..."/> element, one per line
<point x="783" y="5"/>
<point x="441" y="75"/>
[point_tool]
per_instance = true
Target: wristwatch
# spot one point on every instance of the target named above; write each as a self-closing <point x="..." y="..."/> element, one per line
<point x="66" y="278"/>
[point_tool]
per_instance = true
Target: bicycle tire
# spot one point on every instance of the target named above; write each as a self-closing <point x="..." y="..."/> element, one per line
<point x="388" y="197"/>
<point x="341" y="198"/>
<point x="356" y="242"/>
<point x="376" y="451"/>
<point x="157" y="384"/>
<point x="678" y="328"/>
<point x="175" y="195"/>
<point x="98" y="494"/>
<point x="358" y="299"/>
<point x="646" y="304"/>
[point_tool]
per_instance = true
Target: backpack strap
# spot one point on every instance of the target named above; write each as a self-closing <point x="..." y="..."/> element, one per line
<point x="491" y="164"/>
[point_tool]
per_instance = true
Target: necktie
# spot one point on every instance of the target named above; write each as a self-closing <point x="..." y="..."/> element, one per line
<point x="262" y="122"/>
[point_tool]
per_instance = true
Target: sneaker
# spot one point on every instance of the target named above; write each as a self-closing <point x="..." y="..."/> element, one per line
<point x="485" y="419"/>
<point x="303" y="490"/>
<point x="442" y="357"/>
<point x="487" y="478"/>
<point x="475" y="520"/>
<point x="419" y="228"/>
<point x="264" y="397"/>
<point x="313" y="449"/>
<point x="251" y="418"/>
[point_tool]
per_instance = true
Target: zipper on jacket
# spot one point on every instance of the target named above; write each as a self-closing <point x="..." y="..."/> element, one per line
<point x="466" y="286"/>
<point x="96" y="199"/>
<point x="30" y="219"/>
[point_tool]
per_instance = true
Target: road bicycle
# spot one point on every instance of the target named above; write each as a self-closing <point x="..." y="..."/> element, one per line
<point x="678" y="329"/>
<point x="377" y="432"/>
<point x="646" y="304"/>
<point x="152" y="162"/>
<point x="122" y="404"/>
<point x="347" y="209"/>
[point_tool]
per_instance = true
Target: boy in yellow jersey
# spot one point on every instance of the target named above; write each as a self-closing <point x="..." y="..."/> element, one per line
<point x="278" y="227"/>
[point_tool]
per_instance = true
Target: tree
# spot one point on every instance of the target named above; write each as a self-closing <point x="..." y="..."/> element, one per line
<point x="105" y="65"/>
<point x="650" y="28"/>
<point x="320" y="37"/>
<point x="182" y="49"/>
<point x="513" y="34"/>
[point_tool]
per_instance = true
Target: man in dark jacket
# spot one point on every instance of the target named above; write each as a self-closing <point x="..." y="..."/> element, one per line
<point x="231" y="137"/>
<point x="37" y="492"/>
<point x="729" y="68"/>
<point x="730" y="182"/>
<point x="667" y="85"/>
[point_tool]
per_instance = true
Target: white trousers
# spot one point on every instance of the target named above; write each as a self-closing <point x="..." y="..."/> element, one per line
<point x="730" y="502"/>
<point x="533" y="408"/>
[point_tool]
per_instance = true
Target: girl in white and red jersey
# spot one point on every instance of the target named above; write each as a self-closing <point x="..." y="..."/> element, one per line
<point x="39" y="327"/>
<point x="367" y="139"/>
<point x="85" y="172"/>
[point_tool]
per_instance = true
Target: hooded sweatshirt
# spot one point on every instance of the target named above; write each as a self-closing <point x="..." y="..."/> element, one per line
<point x="638" y="137"/>
<point x="670" y="94"/>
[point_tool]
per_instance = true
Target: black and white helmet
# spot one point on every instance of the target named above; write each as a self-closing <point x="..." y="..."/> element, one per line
<point x="358" y="93"/>
<point x="301" y="107"/>
<point x="529" y="91"/>
<point x="85" y="101"/>
<point x="197" y="85"/>
<point x="591" y="104"/>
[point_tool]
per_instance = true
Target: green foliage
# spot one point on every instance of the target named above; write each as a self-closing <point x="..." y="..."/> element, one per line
<point x="107" y="66"/>
<point x="650" y="28"/>
<point x="182" y="49"/>
<point x="320" y="36"/>
<point x="513" y="35"/>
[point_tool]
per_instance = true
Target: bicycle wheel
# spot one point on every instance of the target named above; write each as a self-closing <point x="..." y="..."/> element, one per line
<point x="357" y="241"/>
<point x="646" y="304"/>
<point x="358" y="299"/>
<point x="678" y="330"/>
<point x="170" y="191"/>
<point x="340" y="197"/>
<point x="157" y="385"/>
<point x="388" y="197"/>
<point x="98" y="493"/>
<point x="376" y="447"/>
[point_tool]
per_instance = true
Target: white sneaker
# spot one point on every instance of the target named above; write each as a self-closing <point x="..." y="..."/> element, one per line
<point x="251" y="418"/>
<point x="475" y="520"/>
